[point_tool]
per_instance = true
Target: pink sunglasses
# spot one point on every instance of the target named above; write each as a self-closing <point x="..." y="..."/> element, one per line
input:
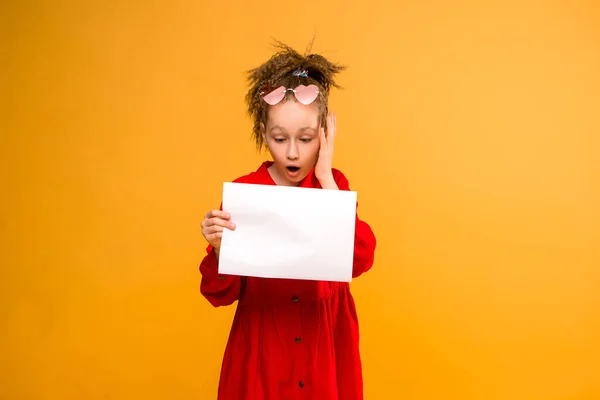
<point x="304" y="94"/>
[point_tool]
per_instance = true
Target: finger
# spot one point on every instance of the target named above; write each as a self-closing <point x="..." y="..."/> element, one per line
<point x="207" y="221"/>
<point x="334" y="123"/>
<point x="218" y="214"/>
<point x="333" y="132"/>
<point x="219" y="228"/>
<point x="330" y="130"/>
<point x="322" y="138"/>
<point x="221" y="222"/>
<point x="214" y="229"/>
<point x="212" y="237"/>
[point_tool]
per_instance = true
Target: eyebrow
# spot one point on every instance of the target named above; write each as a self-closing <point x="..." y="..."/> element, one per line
<point x="277" y="127"/>
<point x="283" y="129"/>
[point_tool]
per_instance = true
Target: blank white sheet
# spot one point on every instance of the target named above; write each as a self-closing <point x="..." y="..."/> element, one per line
<point x="288" y="232"/>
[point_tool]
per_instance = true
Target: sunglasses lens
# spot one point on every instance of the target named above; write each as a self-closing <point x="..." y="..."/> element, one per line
<point x="275" y="96"/>
<point x="306" y="94"/>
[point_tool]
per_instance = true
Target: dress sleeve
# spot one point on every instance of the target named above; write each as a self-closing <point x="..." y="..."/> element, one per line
<point x="364" y="238"/>
<point x="218" y="289"/>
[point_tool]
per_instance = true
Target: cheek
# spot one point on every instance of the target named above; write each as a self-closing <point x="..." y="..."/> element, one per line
<point x="313" y="149"/>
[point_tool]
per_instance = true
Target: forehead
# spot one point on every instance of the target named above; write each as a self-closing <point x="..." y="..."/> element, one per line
<point x="292" y="114"/>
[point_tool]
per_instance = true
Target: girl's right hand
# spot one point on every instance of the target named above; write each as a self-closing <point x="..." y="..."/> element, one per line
<point x="212" y="227"/>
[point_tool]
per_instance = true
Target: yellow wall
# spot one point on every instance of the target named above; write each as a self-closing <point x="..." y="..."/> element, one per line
<point x="122" y="119"/>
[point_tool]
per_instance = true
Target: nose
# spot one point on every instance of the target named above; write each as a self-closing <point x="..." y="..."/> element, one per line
<point x="292" y="151"/>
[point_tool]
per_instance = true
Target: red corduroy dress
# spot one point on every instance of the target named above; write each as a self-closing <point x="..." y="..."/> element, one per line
<point x="290" y="339"/>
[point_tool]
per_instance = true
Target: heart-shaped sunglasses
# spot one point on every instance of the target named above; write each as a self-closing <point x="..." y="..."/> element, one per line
<point x="304" y="94"/>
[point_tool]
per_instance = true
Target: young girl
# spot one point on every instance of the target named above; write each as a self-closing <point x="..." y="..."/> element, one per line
<point x="290" y="339"/>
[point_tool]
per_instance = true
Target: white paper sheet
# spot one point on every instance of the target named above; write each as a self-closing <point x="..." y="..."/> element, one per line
<point x="288" y="232"/>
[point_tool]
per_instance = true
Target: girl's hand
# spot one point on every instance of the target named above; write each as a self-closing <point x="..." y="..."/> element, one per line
<point x="212" y="227"/>
<point x="324" y="162"/>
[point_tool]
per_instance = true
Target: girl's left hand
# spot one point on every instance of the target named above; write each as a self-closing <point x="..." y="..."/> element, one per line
<point x="324" y="162"/>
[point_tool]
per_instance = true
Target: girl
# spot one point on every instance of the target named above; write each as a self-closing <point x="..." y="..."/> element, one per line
<point x="290" y="339"/>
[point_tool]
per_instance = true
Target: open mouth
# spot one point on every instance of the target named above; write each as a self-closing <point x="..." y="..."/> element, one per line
<point x="293" y="168"/>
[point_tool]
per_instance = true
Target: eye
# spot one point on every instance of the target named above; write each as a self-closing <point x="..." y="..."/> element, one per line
<point x="306" y="140"/>
<point x="279" y="140"/>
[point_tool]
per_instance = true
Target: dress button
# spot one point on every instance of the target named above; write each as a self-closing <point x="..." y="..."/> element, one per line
<point x="222" y="277"/>
<point x="295" y="299"/>
<point x="301" y="384"/>
<point x="298" y="340"/>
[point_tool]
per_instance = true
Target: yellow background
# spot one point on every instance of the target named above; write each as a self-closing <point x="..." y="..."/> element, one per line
<point x="470" y="130"/>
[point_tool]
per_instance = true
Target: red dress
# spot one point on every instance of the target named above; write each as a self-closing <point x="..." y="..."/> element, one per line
<point x="290" y="339"/>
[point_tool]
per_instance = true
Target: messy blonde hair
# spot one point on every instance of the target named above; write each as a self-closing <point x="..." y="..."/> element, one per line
<point x="278" y="71"/>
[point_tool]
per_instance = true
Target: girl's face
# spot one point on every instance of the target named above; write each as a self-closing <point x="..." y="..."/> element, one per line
<point x="292" y="137"/>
